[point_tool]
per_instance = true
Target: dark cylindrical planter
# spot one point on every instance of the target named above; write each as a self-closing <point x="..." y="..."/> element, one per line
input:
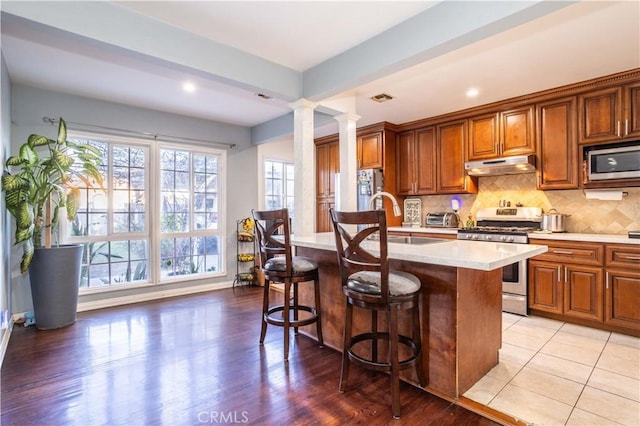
<point x="55" y="278"/>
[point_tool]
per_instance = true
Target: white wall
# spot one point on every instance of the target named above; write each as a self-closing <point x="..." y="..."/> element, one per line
<point x="5" y="235"/>
<point x="29" y="105"/>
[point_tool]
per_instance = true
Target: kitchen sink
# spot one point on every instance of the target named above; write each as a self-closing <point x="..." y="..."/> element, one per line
<point x="414" y="240"/>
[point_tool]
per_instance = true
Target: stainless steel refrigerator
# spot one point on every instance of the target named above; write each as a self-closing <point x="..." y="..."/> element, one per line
<point x="370" y="181"/>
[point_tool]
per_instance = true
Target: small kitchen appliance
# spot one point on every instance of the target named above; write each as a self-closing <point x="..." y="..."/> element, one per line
<point x="442" y="220"/>
<point x="509" y="225"/>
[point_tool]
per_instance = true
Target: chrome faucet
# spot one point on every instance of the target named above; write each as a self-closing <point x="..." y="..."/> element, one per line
<point x="396" y="207"/>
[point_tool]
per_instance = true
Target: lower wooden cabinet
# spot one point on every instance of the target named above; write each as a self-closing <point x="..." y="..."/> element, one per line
<point x="323" y="218"/>
<point x="592" y="284"/>
<point x="622" y="285"/>
<point x="622" y="298"/>
<point x="570" y="290"/>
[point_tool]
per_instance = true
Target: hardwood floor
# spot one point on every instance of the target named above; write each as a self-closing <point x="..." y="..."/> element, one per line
<point x="195" y="360"/>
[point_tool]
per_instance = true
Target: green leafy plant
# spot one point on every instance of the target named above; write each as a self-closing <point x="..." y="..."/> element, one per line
<point x="44" y="182"/>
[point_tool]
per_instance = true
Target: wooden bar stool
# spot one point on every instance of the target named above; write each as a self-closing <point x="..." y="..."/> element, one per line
<point x="278" y="265"/>
<point x="368" y="283"/>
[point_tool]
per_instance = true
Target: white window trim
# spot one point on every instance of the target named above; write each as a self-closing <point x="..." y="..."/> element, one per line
<point x="152" y="222"/>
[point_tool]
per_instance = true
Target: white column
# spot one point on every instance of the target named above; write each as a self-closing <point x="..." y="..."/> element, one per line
<point x="305" y="167"/>
<point x="348" y="162"/>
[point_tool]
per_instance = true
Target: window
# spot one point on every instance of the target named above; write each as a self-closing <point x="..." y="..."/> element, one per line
<point x="278" y="185"/>
<point x="126" y="240"/>
<point x="189" y="212"/>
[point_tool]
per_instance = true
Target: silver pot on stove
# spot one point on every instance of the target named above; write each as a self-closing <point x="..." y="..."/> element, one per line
<point x="554" y="221"/>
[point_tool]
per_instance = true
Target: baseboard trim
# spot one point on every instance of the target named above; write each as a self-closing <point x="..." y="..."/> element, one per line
<point x="4" y="344"/>
<point x="145" y="297"/>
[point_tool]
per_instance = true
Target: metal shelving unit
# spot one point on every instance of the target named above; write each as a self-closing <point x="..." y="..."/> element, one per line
<point x="245" y="253"/>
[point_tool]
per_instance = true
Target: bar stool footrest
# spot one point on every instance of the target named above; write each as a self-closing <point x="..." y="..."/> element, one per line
<point x="271" y="318"/>
<point x="383" y="366"/>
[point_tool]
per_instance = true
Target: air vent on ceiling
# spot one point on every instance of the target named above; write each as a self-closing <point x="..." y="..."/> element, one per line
<point x="382" y="97"/>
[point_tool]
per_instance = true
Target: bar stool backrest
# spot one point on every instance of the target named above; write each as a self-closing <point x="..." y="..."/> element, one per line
<point x="273" y="236"/>
<point x="353" y="256"/>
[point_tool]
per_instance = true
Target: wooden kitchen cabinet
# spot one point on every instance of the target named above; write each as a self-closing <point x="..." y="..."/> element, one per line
<point x="416" y="162"/>
<point x="565" y="289"/>
<point x="327" y="166"/>
<point x="484" y="135"/>
<point x="502" y="134"/>
<point x="451" y="178"/>
<point x="558" y="161"/>
<point x="632" y="109"/>
<point x="622" y="285"/>
<point x="369" y="151"/>
<point x="610" y="114"/>
<point x="517" y="132"/>
<point x="591" y="284"/>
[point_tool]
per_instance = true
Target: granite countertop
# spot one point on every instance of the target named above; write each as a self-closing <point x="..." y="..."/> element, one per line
<point x="557" y="236"/>
<point x="485" y="256"/>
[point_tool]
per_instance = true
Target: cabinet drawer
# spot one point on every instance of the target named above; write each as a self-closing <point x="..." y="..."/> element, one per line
<point x="622" y="255"/>
<point x="571" y="252"/>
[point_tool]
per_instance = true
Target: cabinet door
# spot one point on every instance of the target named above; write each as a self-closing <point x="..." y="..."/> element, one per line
<point x="621" y="298"/>
<point x="545" y="289"/>
<point x="632" y="110"/>
<point x="369" y="151"/>
<point x="327" y="165"/>
<point x="599" y="116"/>
<point x="323" y="219"/>
<point x="583" y="296"/>
<point x="517" y="132"/>
<point x="483" y="137"/>
<point x="322" y="170"/>
<point x="558" y="165"/>
<point x="405" y="163"/>
<point x="450" y="148"/>
<point x="425" y="161"/>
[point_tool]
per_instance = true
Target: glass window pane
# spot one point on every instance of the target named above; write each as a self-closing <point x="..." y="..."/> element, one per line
<point x="182" y="181"/>
<point x="137" y="178"/>
<point x="212" y="164"/>
<point x="199" y="164"/>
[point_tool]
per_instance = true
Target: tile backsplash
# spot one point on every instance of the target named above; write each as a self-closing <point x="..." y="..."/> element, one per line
<point x="586" y="216"/>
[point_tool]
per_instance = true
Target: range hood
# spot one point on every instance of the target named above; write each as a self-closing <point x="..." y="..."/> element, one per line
<point x="502" y="166"/>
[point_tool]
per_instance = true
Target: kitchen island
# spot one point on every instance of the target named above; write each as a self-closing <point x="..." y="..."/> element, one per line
<point x="460" y="303"/>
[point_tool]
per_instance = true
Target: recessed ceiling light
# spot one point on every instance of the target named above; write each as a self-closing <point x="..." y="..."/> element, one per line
<point x="472" y="93"/>
<point x="382" y="97"/>
<point x="188" y="87"/>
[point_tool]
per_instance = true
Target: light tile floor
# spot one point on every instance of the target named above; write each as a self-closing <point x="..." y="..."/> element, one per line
<point x="554" y="373"/>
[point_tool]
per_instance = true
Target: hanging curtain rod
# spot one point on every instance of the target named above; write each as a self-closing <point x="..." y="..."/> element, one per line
<point x="155" y="136"/>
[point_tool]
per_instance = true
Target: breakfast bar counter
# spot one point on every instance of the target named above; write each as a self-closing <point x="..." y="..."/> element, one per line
<point x="460" y="303"/>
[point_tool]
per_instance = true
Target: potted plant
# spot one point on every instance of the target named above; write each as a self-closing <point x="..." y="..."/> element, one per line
<point x="38" y="183"/>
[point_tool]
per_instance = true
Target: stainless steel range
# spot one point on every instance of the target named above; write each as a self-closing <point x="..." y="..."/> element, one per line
<point x="509" y="225"/>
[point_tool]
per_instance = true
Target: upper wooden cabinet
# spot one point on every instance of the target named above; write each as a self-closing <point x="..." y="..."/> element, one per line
<point x="327" y="165"/>
<point x="558" y="161"/>
<point x="502" y="134"/>
<point x="450" y="174"/>
<point x="369" y="151"/>
<point x="430" y="161"/>
<point x="611" y="114"/>
<point x="415" y="162"/>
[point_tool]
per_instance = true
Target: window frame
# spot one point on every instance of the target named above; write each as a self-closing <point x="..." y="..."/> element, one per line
<point x="152" y="234"/>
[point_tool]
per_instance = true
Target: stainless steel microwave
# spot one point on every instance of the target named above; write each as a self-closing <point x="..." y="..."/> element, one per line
<point x="614" y="162"/>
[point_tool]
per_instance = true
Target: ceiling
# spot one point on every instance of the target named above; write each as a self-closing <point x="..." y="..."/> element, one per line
<point x="571" y="42"/>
